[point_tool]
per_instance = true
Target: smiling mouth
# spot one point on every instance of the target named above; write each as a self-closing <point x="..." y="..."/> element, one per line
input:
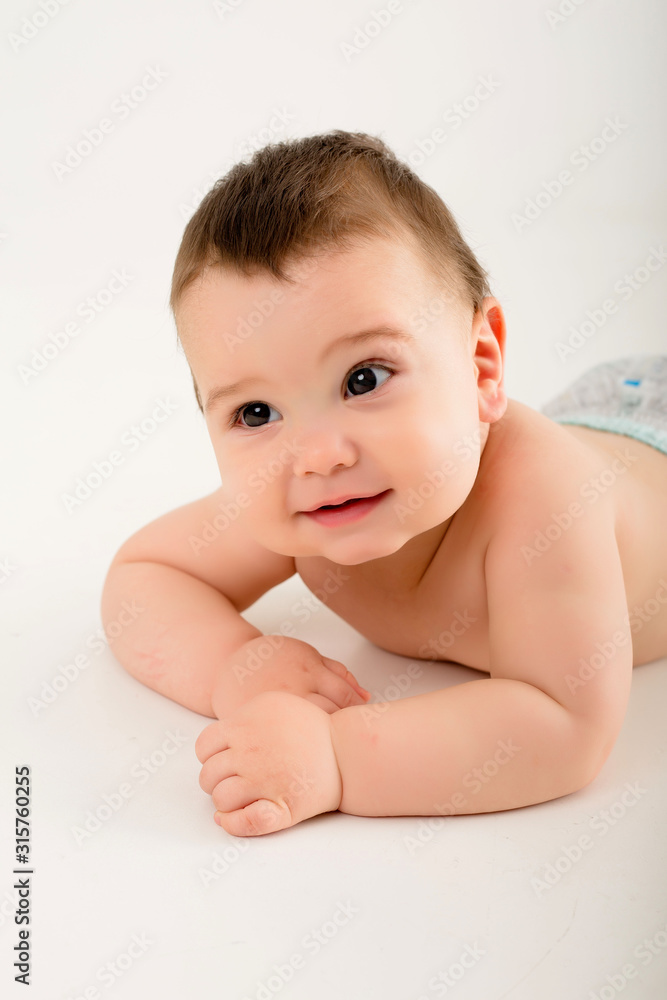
<point x="342" y="513"/>
<point x="348" y="503"/>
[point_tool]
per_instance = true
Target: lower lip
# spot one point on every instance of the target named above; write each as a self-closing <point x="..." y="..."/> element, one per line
<point x="350" y="512"/>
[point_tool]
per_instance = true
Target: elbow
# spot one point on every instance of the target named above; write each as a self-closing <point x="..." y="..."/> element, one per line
<point x="581" y="751"/>
<point x="597" y="748"/>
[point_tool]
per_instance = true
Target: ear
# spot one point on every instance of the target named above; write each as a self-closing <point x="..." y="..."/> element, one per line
<point x="488" y="338"/>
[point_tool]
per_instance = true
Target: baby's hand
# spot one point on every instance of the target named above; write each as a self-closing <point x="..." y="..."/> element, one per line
<point x="281" y="663"/>
<point x="270" y="765"/>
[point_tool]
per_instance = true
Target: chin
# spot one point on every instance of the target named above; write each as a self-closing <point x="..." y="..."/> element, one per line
<point x="361" y="551"/>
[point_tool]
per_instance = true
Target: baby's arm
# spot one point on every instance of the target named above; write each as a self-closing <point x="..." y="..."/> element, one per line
<point x="171" y="608"/>
<point x="544" y="722"/>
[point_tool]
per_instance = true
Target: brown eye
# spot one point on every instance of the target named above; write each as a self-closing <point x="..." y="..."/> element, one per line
<point x="362" y="380"/>
<point x="254" y="413"/>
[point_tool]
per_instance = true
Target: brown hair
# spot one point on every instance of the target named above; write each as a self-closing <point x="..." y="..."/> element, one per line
<point x="297" y="198"/>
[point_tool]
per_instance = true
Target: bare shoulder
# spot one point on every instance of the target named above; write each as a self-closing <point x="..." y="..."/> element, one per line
<point x="552" y="515"/>
<point x="566" y="497"/>
<point x="557" y="608"/>
<point x="570" y="471"/>
<point x="536" y="469"/>
<point x="202" y="539"/>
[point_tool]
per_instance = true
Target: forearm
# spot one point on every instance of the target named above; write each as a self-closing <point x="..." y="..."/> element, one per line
<point x="177" y="632"/>
<point x="482" y="746"/>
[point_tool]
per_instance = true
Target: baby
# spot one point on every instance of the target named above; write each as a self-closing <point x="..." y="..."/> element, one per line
<point x="348" y="359"/>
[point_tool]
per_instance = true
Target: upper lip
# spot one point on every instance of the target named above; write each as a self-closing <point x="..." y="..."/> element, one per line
<point x="337" y="500"/>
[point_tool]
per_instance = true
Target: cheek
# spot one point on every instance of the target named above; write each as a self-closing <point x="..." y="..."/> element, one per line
<point x="430" y="440"/>
<point x="444" y="455"/>
<point x="238" y="470"/>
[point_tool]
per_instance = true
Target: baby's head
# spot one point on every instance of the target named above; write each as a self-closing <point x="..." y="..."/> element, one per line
<point x="286" y="262"/>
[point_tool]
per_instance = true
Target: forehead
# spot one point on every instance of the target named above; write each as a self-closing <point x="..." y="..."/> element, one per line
<point x="369" y="276"/>
<point x="232" y="326"/>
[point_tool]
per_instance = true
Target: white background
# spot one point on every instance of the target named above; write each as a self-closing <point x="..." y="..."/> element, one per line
<point x="123" y="208"/>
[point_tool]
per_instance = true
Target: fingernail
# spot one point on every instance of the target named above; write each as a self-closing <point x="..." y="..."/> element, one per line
<point x="218" y="818"/>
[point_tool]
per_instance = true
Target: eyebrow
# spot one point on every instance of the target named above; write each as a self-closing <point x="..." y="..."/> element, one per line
<point x="222" y="392"/>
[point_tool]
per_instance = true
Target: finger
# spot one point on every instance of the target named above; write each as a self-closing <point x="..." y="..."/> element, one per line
<point x="257" y="818"/>
<point x="339" y="690"/>
<point x="211" y="740"/>
<point x="339" y="668"/>
<point x="217" y="768"/>
<point x="235" y="792"/>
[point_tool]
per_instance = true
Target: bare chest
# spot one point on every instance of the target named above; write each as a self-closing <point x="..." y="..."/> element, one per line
<point x="443" y="618"/>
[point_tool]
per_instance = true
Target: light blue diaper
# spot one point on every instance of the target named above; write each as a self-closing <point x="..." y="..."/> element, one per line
<point x="628" y="396"/>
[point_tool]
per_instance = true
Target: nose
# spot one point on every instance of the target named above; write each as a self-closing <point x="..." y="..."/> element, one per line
<point x="322" y="448"/>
